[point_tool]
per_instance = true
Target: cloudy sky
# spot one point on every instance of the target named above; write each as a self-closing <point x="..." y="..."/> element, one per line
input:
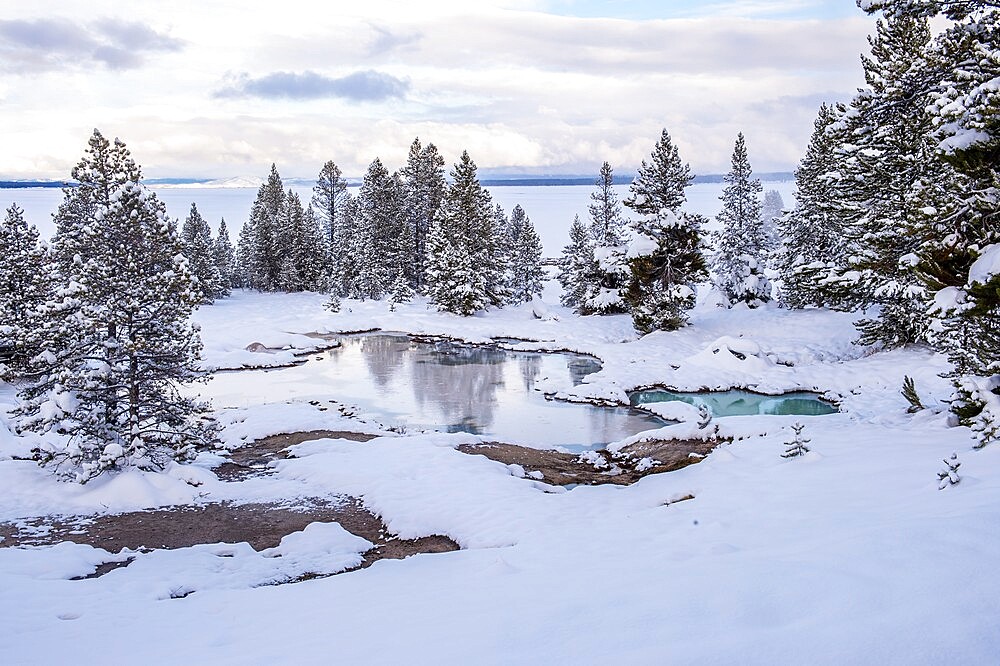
<point x="211" y="89"/>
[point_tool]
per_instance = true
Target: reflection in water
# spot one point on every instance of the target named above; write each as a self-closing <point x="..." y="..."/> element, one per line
<point x="384" y="355"/>
<point x="581" y="366"/>
<point x="456" y="388"/>
<point x="459" y="384"/>
<point x="743" y="403"/>
<point x="531" y="365"/>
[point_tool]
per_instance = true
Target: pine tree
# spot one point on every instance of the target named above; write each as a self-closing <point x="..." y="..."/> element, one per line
<point x="385" y="245"/>
<point x="960" y="209"/>
<point x="452" y="282"/>
<point x="526" y="277"/>
<point x="665" y="257"/>
<point x="424" y="185"/>
<point x="894" y="156"/>
<point x="577" y="266"/>
<point x="796" y="445"/>
<point x="199" y="250"/>
<point x="741" y="243"/>
<point x="666" y="266"/>
<point x="659" y="186"/>
<point x="812" y="236"/>
<point x="300" y="246"/>
<point x="608" y="275"/>
<point x="224" y="257"/>
<point x="328" y="199"/>
<point x="115" y="341"/>
<point x="464" y="273"/>
<point x="24" y="286"/>
<point x="259" y="253"/>
<point x="401" y="291"/>
<point x="607" y="226"/>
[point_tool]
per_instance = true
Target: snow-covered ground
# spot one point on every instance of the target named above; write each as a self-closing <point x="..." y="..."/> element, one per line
<point x="849" y="554"/>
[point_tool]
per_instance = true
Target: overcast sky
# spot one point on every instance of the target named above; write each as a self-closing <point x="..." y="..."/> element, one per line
<point x="203" y="88"/>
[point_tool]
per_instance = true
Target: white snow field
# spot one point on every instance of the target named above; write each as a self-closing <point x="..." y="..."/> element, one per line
<point x="847" y="555"/>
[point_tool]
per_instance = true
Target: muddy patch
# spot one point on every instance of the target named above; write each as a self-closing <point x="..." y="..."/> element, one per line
<point x="260" y="525"/>
<point x="622" y="467"/>
<point x="254" y="458"/>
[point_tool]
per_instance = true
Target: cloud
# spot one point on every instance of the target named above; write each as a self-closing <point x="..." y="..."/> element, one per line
<point x="362" y="86"/>
<point x="50" y="44"/>
<point x="385" y="40"/>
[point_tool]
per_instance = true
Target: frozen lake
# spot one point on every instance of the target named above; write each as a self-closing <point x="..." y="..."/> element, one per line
<point x="550" y="207"/>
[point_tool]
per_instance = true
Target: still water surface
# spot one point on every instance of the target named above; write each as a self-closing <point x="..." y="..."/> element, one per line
<point x="451" y="388"/>
<point x="742" y="403"/>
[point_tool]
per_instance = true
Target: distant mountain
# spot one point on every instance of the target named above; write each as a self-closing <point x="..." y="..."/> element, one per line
<point x="237" y="182"/>
<point x="20" y="184"/>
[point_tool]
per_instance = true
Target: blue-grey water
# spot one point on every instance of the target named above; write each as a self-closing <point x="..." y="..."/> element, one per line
<point x="742" y="403"/>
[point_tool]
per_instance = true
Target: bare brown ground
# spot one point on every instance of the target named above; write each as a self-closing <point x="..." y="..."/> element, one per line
<point x="260" y="525"/>
<point x="622" y="468"/>
<point x="253" y="459"/>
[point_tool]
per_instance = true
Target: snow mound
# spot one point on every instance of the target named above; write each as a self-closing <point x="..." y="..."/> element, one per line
<point x="673" y="410"/>
<point x="735" y="354"/>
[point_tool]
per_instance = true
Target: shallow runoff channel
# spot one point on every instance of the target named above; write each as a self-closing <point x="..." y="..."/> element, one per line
<point x="444" y="386"/>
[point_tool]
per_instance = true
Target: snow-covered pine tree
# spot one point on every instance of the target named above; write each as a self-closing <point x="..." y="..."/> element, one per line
<point x="893" y="155"/>
<point x="115" y="342"/>
<point x="659" y="186"/>
<point x="301" y="247"/>
<point x="401" y="291"/>
<point x="948" y="476"/>
<point x="259" y="252"/>
<point x="525" y="275"/>
<point x="741" y="244"/>
<point x="665" y="256"/>
<point x="451" y="281"/>
<point x="329" y="200"/>
<point x="795" y="446"/>
<point x="577" y="266"/>
<point x="607" y="226"/>
<point x="24" y="286"/>
<point x="464" y="257"/>
<point x="424" y="185"/>
<point x="224" y="257"/>
<point x="666" y="266"/>
<point x="198" y="248"/>
<point x="962" y="210"/>
<point x="385" y="239"/>
<point x="609" y="274"/>
<point x="812" y="236"/>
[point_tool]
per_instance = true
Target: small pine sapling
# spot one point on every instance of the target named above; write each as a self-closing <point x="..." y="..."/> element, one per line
<point x="796" y="446"/>
<point x="910" y="393"/>
<point x="948" y="476"/>
<point x="401" y="292"/>
<point x="704" y="416"/>
<point x="333" y="303"/>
